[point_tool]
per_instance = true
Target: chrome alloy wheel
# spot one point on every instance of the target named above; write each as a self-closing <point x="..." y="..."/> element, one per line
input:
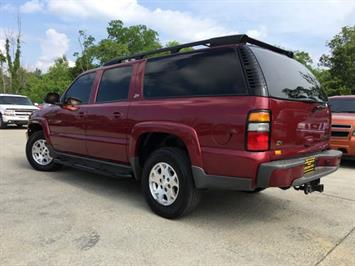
<point x="40" y="152"/>
<point x="164" y="183"/>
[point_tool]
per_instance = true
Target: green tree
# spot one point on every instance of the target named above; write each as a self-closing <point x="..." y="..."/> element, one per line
<point x="2" y="72"/>
<point x="35" y="87"/>
<point x="120" y="41"/>
<point x="57" y="79"/>
<point x="84" y="59"/>
<point x="14" y="65"/>
<point x="137" y="38"/>
<point x="171" y="44"/>
<point x="108" y="49"/>
<point x="331" y="85"/>
<point x="58" y="76"/>
<point x="175" y="43"/>
<point x="340" y="62"/>
<point x="304" y="58"/>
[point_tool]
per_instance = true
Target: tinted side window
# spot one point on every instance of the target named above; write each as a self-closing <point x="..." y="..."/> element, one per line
<point x="81" y="88"/>
<point x="114" y="84"/>
<point x="205" y="73"/>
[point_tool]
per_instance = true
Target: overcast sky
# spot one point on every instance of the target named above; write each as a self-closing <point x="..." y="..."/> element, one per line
<point x="50" y="27"/>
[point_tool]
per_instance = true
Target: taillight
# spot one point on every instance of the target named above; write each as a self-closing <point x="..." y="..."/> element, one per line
<point x="258" y="131"/>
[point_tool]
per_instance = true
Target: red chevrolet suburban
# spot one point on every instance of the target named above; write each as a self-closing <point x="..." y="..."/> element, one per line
<point x="238" y="114"/>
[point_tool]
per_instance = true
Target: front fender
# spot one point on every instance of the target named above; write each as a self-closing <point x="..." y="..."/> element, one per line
<point x="44" y="124"/>
<point x="186" y="133"/>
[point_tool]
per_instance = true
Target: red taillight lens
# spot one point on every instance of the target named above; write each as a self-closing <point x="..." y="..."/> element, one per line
<point x="258" y="130"/>
<point x="258" y="141"/>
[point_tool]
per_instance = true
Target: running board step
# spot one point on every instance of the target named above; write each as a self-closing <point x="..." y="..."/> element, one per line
<point x="93" y="165"/>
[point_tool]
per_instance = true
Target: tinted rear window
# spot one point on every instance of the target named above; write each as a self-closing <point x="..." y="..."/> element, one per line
<point x="342" y="105"/>
<point x="114" y="85"/>
<point x="205" y="73"/>
<point x="288" y="79"/>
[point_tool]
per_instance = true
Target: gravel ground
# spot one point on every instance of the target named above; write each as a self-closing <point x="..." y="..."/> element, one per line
<point x="71" y="217"/>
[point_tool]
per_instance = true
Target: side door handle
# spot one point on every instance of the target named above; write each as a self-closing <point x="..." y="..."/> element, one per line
<point x="81" y="114"/>
<point x="117" y="115"/>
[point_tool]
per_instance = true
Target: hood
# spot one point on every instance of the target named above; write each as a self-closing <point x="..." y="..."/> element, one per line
<point x="344" y="117"/>
<point x="13" y="106"/>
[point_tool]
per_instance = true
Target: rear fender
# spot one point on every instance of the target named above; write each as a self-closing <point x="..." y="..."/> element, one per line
<point x="187" y="134"/>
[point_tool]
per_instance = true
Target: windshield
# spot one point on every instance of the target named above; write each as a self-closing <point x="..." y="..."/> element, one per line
<point x="288" y="79"/>
<point x="15" y="100"/>
<point x="342" y="105"/>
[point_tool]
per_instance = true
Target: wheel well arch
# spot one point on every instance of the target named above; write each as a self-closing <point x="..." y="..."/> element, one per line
<point x="150" y="141"/>
<point x="148" y="136"/>
<point x="34" y="127"/>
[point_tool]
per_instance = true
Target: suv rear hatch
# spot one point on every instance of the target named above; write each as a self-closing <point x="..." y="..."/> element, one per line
<point x="300" y="117"/>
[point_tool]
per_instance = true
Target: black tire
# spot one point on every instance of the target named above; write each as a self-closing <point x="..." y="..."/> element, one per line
<point x="2" y="124"/>
<point x="52" y="166"/>
<point x="188" y="196"/>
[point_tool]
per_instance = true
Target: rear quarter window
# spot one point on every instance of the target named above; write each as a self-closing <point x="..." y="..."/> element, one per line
<point x="288" y="79"/>
<point x="205" y="73"/>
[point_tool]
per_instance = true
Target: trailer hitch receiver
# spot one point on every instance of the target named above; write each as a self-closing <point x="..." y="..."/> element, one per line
<point x="311" y="187"/>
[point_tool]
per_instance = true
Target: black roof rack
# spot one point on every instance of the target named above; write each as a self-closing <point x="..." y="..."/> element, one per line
<point x="232" y="39"/>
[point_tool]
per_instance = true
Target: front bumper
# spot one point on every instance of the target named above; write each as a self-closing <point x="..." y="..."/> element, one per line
<point x="286" y="173"/>
<point x="13" y="119"/>
<point x="346" y="145"/>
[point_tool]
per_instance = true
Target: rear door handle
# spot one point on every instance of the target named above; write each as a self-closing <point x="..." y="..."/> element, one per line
<point x="117" y="114"/>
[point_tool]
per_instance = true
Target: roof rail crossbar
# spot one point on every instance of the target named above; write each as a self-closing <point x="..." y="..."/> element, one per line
<point x="232" y="39"/>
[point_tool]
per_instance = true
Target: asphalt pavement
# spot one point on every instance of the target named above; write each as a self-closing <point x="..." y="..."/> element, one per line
<point x="71" y="217"/>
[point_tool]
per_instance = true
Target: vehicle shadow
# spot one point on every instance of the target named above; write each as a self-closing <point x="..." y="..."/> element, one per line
<point x="348" y="163"/>
<point x="114" y="188"/>
<point x="224" y="208"/>
<point x="229" y="207"/>
<point x="13" y="127"/>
